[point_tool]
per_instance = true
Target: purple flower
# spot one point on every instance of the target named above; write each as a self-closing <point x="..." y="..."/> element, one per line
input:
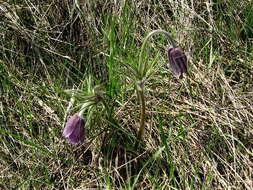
<point x="74" y="129"/>
<point x="178" y="62"/>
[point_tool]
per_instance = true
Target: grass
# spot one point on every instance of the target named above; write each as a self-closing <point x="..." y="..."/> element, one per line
<point x="198" y="131"/>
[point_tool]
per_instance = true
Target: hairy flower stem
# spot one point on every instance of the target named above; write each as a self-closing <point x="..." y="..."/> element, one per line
<point x="142" y="66"/>
<point x="142" y="116"/>
<point x="80" y="114"/>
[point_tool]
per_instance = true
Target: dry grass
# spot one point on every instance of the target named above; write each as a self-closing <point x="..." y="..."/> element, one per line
<point x="199" y="130"/>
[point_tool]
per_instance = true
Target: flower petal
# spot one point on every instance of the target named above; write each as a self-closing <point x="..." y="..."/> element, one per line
<point x="70" y="125"/>
<point x="178" y="62"/>
<point x="175" y="68"/>
<point x="78" y="133"/>
<point x="181" y="60"/>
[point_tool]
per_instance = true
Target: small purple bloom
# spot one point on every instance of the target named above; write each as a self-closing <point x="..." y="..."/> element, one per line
<point x="178" y="62"/>
<point x="74" y="129"/>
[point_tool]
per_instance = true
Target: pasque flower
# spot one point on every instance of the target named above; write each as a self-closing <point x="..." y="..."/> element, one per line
<point x="74" y="129"/>
<point x="178" y="62"/>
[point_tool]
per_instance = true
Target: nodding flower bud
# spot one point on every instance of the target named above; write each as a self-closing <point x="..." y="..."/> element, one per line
<point x="178" y="62"/>
<point x="74" y="129"/>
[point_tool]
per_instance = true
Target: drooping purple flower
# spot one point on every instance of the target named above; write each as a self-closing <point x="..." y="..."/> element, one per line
<point x="74" y="129"/>
<point x="178" y="62"/>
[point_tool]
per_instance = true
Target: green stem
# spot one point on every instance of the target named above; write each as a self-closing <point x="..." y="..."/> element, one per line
<point x="142" y="116"/>
<point x="140" y="87"/>
<point x="81" y="110"/>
